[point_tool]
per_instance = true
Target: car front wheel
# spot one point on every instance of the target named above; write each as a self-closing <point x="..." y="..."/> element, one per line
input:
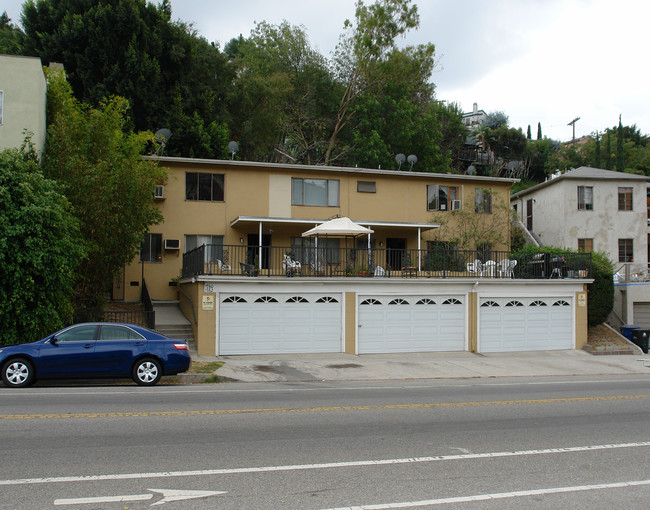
<point x="147" y="372"/>
<point x="17" y="373"/>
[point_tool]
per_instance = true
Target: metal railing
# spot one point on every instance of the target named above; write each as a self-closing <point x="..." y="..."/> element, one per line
<point x="282" y="261"/>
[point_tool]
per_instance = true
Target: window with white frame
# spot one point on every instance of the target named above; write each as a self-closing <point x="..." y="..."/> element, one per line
<point x="319" y="192"/>
<point x="624" y="199"/>
<point x="483" y="200"/>
<point x="585" y="198"/>
<point x="151" y="248"/>
<point x="441" y="198"/>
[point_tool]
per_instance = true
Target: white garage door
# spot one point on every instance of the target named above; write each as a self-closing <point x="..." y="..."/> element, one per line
<point x="641" y="315"/>
<point x="279" y="323"/>
<point x="515" y="324"/>
<point x="411" y="324"/>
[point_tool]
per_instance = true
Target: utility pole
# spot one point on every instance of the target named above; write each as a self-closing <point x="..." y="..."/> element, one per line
<point x="573" y="123"/>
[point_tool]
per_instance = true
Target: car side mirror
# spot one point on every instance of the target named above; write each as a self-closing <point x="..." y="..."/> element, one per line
<point x="54" y="340"/>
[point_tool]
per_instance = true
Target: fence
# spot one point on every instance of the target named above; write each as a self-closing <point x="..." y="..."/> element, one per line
<point x="327" y="261"/>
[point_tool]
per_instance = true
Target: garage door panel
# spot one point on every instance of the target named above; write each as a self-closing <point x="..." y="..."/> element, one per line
<point x="410" y="324"/>
<point x="280" y="323"/>
<point x="515" y="324"/>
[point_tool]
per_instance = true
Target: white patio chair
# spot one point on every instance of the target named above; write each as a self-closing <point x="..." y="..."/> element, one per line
<point x="475" y="267"/>
<point x="290" y="265"/>
<point x="506" y="268"/>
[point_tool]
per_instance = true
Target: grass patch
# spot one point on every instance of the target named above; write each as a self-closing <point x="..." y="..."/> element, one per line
<point x="211" y="379"/>
<point x="205" y="367"/>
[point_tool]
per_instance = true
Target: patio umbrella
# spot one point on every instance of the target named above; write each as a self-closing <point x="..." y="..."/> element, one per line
<point x="339" y="227"/>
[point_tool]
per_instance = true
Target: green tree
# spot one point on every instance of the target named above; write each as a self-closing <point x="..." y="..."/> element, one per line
<point x="495" y="120"/>
<point x="601" y="291"/>
<point x="506" y="144"/>
<point x="131" y="48"/>
<point x="40" y="249"/>
<point x="597" y="152"/>
<point x="528" y="133"/>
<point x="363" y="48"/>
<point x="539" y="130"/>
<point x="620" y="154"/>
<point x="281" y="101"/>
<point x="608" y="152"/>
<point x="11" y="36"/>
<point x="100" y="167"/>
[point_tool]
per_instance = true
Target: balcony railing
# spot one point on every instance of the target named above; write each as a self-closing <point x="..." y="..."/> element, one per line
<point x="279" y="261"/>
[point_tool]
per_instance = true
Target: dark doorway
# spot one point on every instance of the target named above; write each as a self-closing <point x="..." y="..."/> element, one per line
<point x="529" y="215"/>
<point x="395" y="251"/>
<point x="253" y="249"/>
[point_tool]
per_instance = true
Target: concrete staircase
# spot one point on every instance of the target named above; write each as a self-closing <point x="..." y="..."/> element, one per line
<point x="171" y="322"/>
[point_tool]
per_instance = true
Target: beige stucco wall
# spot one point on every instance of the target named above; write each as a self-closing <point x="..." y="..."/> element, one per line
<point x="581" y="318"/>
<point x="23" y="83"/>
<point x="259" y="190"/>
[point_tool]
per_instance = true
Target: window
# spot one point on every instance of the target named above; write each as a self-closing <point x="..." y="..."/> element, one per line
<point x="204" y="186"/>
<point x="213" y="248"/>
<point x="304" y="251"/>
<point x="151" y="249"/>
<point x="585" y="245"/>
<point x="82" y="333"/>
<point x="483" y="200"/>
<point x="441" y="198"/>
<point x="585" y="198"/>
<point x="112" y="332"/>
<point x="624" y="199"/>
<point x="366" y="187"/>
<point x="321" y="192"/>
<point x="626" y="250"/>
<point x="2" y="104"/>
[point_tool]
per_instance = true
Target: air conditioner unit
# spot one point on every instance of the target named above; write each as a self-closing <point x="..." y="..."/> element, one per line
<point x="159" y="192"/>
<point x="172" y="244"/>
<point x="455" y="205"/>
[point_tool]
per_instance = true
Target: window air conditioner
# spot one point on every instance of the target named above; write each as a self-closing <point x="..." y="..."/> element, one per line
<point x="455" y="205"/>
<point x="172" y="244"/>
<point x="159" y="192"/>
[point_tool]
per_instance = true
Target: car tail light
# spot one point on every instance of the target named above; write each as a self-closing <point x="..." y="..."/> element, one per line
<point x="181" y="347"/>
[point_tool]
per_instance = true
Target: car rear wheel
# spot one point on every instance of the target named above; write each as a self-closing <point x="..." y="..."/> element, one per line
<point x="147" y="372"/>
<point x="17" y="373"/>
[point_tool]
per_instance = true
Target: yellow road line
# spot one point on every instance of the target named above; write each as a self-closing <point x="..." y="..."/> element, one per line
<point x="315" y="409"/>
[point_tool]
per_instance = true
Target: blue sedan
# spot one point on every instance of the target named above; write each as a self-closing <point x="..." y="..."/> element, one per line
<point x="95" y="350"/>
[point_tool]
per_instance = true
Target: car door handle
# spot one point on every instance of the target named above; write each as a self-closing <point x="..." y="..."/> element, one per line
<point x="88" y="346"/>
<point x="138" y="344"/>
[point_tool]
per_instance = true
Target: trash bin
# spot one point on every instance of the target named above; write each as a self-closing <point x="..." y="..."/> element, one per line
<point x="626" y="331"/>
<point x="640" y="338"/>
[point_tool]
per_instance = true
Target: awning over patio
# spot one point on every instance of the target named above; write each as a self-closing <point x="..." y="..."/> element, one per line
<point x="241" y="221"/>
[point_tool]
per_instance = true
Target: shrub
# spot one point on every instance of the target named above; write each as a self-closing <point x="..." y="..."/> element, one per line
<point x="601" y="291"/>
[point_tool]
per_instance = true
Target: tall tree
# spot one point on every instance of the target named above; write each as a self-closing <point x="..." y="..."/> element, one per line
<point x="620" y="154"/>
<point x="528" y="133"/>
<point x="131" y="48"/>
<point x="281" y="101"/>
<point x="364" y="46"/>
<point x="100" y="167"/>
<point x="40" y="249"/>
<point x="539" y="130"/>
<point x="11" y="36"/>
<point x="608" y="152"/>
<point x="597" y="152"/>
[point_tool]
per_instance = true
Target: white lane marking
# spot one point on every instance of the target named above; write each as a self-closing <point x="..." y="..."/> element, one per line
<point x="498" y="495"/>
<point x="168" y="496"/>
<point x="298" y="467"/>
<point x="102" y="499"/>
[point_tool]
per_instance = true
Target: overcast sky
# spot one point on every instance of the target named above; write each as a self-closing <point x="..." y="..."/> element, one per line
<point x="546" y="61"/>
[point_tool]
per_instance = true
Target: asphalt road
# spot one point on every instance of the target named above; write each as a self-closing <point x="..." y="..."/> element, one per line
<point x="579" y="442"/>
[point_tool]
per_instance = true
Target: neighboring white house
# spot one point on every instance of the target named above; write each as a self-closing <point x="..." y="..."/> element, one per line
<point x="475" y="118"/>
<point x="592" y="209"/>
<point x="22" y="101"/>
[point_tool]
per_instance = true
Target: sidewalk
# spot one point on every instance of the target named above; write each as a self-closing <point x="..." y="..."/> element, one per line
<point x="348" y="367"/>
